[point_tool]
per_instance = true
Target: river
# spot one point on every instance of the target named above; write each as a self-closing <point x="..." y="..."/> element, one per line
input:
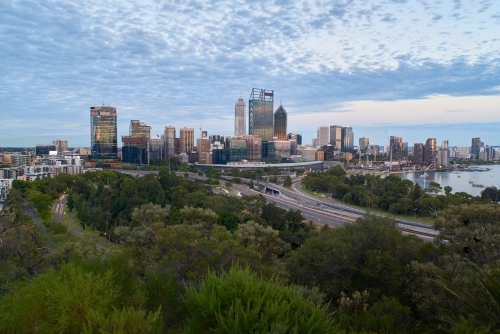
<point x="459" y="181"/>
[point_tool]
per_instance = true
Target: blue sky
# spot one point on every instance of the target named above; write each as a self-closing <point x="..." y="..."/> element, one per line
<point x="415" y="69"/>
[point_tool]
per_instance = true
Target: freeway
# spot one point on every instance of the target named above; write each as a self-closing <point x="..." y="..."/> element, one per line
<point x="315" y="209"/>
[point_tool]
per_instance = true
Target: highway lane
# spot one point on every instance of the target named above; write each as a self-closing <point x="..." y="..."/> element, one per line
<point x="308" y="213"/>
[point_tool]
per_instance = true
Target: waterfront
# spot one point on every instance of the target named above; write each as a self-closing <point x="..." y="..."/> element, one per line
<point x="459" y="181"/>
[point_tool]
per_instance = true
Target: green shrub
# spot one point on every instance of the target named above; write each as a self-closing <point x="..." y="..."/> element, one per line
<point x="240" y="301"/>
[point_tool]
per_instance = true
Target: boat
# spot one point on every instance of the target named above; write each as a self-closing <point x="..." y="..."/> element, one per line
<point x="458" y="176"/>
<point x="470" y="181"/>
<point x="478" y="185"/>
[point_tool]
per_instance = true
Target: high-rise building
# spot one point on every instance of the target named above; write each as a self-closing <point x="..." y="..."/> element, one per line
<point x="135" y="150"/>
<point x="295" y="136"/>
<point x="430" y="151"/>
<point x="280" y="123"/>
<point x="418" y="153"/>
<point x="396" y="148"/>
<point x="323" y="135"/>
<point x="336" y="136"/>
<point x="236" y="148"/>
<point x="254" y="148"/>
<point x="475" y="148"/>
<point x="61" y="145"/>
<point x="186" y="139"/>
<point x="156" y="147"/>
<point x="203" y="149"/>
<point x="169" y="137"/>
<point x="239" y="118"/>
<point x="103" y="132"/>
<point x="363" y="144"/>
<point x="43" y="149"/>
<point x="139" y="129"/>
<point x="260" y="114"/>
<point x="347" y="143"/>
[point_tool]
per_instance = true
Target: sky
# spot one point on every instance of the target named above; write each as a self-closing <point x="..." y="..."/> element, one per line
<point x="409" y="68"/>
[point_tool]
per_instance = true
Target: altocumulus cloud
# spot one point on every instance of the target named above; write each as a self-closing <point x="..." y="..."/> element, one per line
<point x="182" y="62"/>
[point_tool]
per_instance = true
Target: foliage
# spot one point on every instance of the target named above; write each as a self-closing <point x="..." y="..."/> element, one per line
<point x="369" y="254"/>
<point x="472" y="230"/>
<point x="240" y="301"/>
<point x="67" y="300"/>
<point x="264" y="239"/>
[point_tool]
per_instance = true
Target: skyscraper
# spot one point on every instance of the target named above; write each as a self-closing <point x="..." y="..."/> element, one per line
<point x="336" y="136"/>
<point x="260" y="114"/>
<point x="323" y="135"/>
<point x="61" y="145"/>
<point x="363" y="143"/>
<point x="139" y="129"/>
<point x="418" y="153"/>
<point x="186" y="140"/>
<point x="239" y="117"/>
<point x="475" y="148"/>
<point x="396" y="148"/>
<point x="347" y="143"/>
<point x="169" y="137"/>
<point x="103" y="132"/>
<point x="280" y="123"/>
<point x="430" y="151"/>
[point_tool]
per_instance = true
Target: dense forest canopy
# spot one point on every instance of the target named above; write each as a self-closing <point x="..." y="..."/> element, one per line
<point x="179" y="257"/>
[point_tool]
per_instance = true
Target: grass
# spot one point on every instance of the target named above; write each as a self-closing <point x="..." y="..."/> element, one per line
<point x="423" y="220"/>
<point x="93" y="236"/>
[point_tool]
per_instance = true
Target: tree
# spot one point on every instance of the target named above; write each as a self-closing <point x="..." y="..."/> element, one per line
<point x="434" y="187"/>
<point x="240" y="301"/>
<point x="264" y="239"/>
<point x="70" y="202"/>
<point x="472" y="230"/>
<point x="72" y="299"/>
<point x="448" y="190"/>
<point x="288" y="181"/>
<point x="370" y="254"/>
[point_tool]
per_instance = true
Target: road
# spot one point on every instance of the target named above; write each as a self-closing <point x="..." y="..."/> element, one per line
<point x="315" y="209"/>
<point x="59" y="215"/>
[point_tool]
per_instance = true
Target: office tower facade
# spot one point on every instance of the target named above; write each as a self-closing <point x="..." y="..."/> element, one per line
<point x="323" y="135"/>
<point x="169" y="137"/>
<point x="236" y="149"/>
<point x="315" y="142"/>
<point x="139" y="129"/>
<point x="156" y="148"/>
<point x="203" y="148"/>
<point x="277" y="150"/>
<point x="475" y="148"/>
<point x="44" y="149"/>
<point x="430" y="151"/>
<point x="347" y="142"/>
<point x="61" y="145"/>
<point x="280" y="123"/>
<point x="254" y="148"/>
<point x="135" y="150"/>
<point x="239" y="118"/>
<point x="260" y="114"/>
<point x="103" y="133"/>
<point x="396" y="148"/>
<point x="336" y="136"/>
<point x="418" y="153"/>
<point x="363" y="144"/>
<point x="186" y="140"/>
<point x="295" y="136"/>
<point x="329" y="152"/>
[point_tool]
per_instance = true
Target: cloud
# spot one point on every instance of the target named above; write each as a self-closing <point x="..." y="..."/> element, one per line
<point x="183" y="61"/>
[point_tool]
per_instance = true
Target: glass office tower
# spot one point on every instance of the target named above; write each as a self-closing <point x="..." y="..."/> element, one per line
<point x="347" y="139"/>
<point x="103" y="134"/>
<point x="260" y="114"/>
<point x="280" y="123"/>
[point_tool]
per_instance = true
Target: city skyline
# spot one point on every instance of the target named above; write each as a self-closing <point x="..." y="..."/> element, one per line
<point x="414" y="70"/>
